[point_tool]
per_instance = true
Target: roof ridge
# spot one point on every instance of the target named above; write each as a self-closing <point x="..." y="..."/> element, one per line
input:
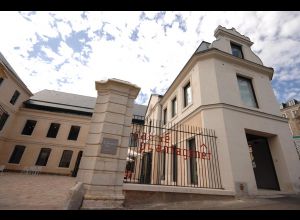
<point x="64" y="92"/>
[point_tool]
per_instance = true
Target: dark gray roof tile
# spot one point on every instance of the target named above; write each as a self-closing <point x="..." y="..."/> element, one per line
<point x="74" y="102"/>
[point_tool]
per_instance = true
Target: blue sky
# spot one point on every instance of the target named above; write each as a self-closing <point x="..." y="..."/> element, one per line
<point x="69" y="51"/>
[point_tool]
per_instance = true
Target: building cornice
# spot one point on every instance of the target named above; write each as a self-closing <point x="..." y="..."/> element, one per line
<point x="234" y="108"/>
<point x="213" y="52"/>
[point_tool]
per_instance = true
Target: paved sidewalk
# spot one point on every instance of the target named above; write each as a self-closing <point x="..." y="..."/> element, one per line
<point x="275" y="203"/>
<point x="21" y="191"/>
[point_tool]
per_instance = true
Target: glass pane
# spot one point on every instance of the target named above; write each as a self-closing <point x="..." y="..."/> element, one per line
<point x="174" y="107"/>
<point x="189" y="95"/>
<point x="236" y="51"/>
<point x="246" y="92"/>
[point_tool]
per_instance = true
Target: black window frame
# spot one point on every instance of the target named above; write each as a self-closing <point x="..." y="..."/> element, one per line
<point x="133" y="140"/>
<point x="150" y="126"/>
<point x="192" y="161"/>
<point x="234" y="45"/>
<point x="29" y="128"/>
<point x="43" y="161"/>
<point x="65" y="159"/>
<point x="1" y="80"/>
<point x="165" y="115"/>
<point x="174" y="106"/>
<point x="174" y="164"/>
<point x="73" y="134"/>
<point x="3" y="120"/>
<point x="163" y="153"/>
<point x="15" y="97"/>
<point x="17" y="154"/>
<point x="185" y="94"/>
<point x="252" y="89"/>
<point x="51" y="132"/>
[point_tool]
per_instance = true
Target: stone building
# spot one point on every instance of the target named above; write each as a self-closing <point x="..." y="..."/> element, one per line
<point x="225" y="86"/>
<point x="291" y="111"/>
<point x="217" y="130"/>
<point x="46" y="129"/>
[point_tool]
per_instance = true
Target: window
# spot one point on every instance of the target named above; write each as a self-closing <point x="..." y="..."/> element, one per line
<point x="29" y="127"/>
<point x="17" y="154"/>
<point x="165" y="116"/>
<point x="187" y="95"/>
<point x="294" y="113"/>
<point x="74" y="131"/>
<point x="66" y="158"/>
<point x="174" y="164"/>
<point x="133" y="140"/>
<point x="163" y="153"/>
<point x="150" y="126"/>
<point x="14" y="97"/>
<point x="174" y="107"/>
<point x="247" y="92"/>
<point x="53" y="130"/>
<point x="193" y="162"/>
<point x="3" y="119"/>
<point x="236" y="50"/>
<point x="1" y="80"/>
<point x="291" y="102"/>
<point x="43" y="157"/>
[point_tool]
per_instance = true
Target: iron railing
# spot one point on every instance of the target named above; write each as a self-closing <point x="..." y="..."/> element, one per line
<point x="172" y="155"/>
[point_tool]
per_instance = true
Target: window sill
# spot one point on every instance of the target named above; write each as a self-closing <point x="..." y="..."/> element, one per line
<point x="26" y="135"/>
<point x="186" y="107"/>
<point x="174" y="117"/>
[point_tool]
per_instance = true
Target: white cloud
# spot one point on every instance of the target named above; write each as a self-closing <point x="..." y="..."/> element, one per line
<point x="155" y="59"/>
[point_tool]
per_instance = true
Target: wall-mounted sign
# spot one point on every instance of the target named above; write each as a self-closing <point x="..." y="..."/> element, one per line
<point x="150" y="142"/>
<point x="109" y="146"/>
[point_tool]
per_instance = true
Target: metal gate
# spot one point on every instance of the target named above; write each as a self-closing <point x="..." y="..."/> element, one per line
<point x="172" y="155"/>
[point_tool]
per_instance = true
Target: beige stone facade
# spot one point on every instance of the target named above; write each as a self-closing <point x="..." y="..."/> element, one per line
<point x="217" y="102"/>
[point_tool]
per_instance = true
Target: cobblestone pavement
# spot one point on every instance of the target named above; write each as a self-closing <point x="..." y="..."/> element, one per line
<point x="22" y="191"/>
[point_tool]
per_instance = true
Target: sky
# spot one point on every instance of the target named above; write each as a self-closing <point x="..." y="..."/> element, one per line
<point x="69" y="51"/>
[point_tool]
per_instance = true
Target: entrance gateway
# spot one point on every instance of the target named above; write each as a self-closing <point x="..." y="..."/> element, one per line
<point x="262" y="162"/>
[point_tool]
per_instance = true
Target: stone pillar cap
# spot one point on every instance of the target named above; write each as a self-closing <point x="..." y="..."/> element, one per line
<point x="119" y="83"/>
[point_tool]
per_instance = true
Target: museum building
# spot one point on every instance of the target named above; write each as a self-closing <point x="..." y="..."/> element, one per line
<point x="218" y="126"/>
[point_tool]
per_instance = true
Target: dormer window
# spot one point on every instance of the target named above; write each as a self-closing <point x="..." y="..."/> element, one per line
<point x="291" y="102"/>
<point x="237" y="50"/>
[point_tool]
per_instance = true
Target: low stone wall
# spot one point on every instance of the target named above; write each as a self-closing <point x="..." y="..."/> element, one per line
<point x="75" y="197"/>
<point x="136" y="194"/>
<point x="139" y="197"/>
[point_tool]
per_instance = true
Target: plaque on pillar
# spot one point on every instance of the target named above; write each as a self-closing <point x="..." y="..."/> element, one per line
<point x="109" y="146"/>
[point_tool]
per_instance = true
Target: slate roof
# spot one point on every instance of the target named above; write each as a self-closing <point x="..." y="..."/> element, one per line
<point x="203" y="46"/>
<point x="70" y="103"/>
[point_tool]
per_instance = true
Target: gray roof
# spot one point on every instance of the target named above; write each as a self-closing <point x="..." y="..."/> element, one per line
<point x="8" y="66"/>
<point x="203" y="46"/>
<point x="74" y="102"/>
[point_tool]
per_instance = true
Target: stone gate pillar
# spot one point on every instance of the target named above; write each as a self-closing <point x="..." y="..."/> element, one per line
<point x="103" y="163"/>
